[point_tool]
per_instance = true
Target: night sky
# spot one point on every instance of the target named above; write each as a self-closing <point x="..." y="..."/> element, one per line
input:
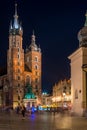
<point x="56" y="24"/>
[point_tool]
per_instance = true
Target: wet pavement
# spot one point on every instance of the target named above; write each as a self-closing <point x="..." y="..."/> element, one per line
<point x="41" y="121"/>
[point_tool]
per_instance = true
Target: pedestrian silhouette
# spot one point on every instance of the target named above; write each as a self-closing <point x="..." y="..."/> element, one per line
<point x="23" y="110"/>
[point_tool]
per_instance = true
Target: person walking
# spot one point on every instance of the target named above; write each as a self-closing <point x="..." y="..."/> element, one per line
<point x="23" y="110"/>
<point x="18" y="109"/>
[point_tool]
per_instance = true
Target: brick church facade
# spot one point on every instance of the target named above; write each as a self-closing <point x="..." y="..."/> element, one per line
<point x="23" y="67"/>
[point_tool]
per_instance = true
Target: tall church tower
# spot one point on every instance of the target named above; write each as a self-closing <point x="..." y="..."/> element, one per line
<point x="78" y="74"/>
<point x="33" y="61"/>
<point x="15" y="61"/>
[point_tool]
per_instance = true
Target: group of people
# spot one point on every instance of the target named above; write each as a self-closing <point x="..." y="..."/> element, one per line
<point x="21" y="109"/>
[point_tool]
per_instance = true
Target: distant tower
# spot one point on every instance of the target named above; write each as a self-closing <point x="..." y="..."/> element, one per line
<point x="33" y="61"/>
<point x="15" y="61"/>
<point x="78" y="75"/>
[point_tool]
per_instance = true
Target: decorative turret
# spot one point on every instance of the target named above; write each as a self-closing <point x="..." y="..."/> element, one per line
<point x="82" y="34"/>
<point x="15" y="28"/>
<point x="33" y="46"/>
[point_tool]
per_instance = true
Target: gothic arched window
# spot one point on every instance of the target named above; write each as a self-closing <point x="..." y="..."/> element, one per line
<point x="36" y="58"/>
<point x="36" y="67"/>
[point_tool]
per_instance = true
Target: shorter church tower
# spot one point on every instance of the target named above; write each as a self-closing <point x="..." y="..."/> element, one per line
<point x="33" y="61"/>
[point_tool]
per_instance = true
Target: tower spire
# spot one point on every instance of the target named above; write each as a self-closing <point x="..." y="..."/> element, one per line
<point x="15" y="9"/>
<point x="15" y="16"/>
<point x="16" y="24"/>
<point x="86" y="19"/>
<point x="33" y="38"/>
<point x="33" y="32"/>
<point x="16" y="27"/>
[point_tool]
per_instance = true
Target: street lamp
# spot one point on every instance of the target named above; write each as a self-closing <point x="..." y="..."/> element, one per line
<point x="64" y="94"/>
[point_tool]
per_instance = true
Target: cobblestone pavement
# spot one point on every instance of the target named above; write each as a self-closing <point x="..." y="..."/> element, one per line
<point x="43" y="121"/>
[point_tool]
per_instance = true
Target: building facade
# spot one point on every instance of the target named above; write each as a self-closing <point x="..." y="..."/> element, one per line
<point x="23" y="67"/>
<point x="78" y="75"/>
<point x="46" y="101"/>
<point x="62" y="93"/>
